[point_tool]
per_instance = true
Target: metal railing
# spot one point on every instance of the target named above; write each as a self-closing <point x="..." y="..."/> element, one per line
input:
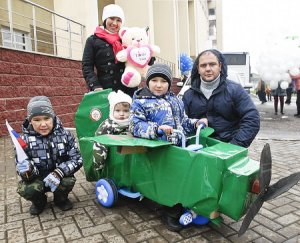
<point x="27" y="26"/>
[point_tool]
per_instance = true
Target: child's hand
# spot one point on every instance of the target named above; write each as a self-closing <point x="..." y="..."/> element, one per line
<point x="203" y="120"/>
<point x="168" y="130"/>
<point x="24" y="166"/>
<point x="52" y="181"/>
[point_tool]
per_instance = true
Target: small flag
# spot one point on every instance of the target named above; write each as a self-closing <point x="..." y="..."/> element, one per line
<point x="18" y="142"/>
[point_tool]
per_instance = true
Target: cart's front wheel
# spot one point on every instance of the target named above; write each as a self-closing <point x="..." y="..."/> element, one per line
<point x="106" y="192"/>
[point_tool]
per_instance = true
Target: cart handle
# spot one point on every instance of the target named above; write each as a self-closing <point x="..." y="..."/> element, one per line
<point x="160" y="133"/>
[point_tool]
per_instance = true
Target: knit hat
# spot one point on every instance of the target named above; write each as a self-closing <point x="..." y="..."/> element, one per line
<point x="113" y="10"/>
<point x="115" y="98"/>
<point x="159" y="70"/>
<point x="39" y="106"/>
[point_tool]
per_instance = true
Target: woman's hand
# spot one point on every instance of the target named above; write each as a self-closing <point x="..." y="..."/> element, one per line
<point x="98" y="89"/>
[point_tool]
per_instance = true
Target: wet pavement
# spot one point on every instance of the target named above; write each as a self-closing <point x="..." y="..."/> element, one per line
<point x="131" y="221"/>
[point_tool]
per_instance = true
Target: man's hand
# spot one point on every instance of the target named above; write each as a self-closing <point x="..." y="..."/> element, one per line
<point x="52" y="181"/>
<point x="202" y="121"/>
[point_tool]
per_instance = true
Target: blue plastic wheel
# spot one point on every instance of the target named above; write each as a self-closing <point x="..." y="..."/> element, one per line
<point x="106" y="192"/>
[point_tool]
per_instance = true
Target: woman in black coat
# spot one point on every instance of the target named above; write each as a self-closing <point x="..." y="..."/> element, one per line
<point x="100" y="50"/>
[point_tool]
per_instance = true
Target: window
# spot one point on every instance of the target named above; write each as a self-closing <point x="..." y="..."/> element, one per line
<point x="211" y="11"/>
<point x="18" y="39"/>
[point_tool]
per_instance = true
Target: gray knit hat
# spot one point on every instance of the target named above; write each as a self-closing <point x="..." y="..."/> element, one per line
<point x="38" y="106"/>
<point x="159" y="70"/>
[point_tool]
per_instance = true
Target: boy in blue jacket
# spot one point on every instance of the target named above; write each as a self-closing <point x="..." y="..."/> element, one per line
<point x="155" y="108"/>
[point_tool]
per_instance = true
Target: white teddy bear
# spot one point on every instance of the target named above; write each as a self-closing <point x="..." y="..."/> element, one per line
<point x="137" y="54"/>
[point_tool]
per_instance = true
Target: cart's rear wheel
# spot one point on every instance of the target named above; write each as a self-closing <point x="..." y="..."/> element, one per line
<point x="106" y="192"/>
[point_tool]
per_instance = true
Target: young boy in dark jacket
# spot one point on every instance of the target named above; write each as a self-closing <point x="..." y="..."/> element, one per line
<point x="53" y="158"/>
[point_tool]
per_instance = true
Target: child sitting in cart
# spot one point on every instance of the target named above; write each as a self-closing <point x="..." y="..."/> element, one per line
<point x="116" y="124"/>
<point x="156" y="108"/>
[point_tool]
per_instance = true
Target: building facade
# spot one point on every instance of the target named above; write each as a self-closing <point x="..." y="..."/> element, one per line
<point x="60" y="28"/>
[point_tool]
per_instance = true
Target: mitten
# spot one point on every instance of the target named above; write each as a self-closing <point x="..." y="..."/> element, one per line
<point x="24" y="166"/>
<point x="52" y="180"/>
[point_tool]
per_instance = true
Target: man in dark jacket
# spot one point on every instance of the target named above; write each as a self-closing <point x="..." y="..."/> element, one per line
<point x="227" y="106"/>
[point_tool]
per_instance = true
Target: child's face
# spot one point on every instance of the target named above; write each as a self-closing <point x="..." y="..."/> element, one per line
<point x="42" y="124"/>
<point x="121" y="111"/>
<point x="158" y="86"/>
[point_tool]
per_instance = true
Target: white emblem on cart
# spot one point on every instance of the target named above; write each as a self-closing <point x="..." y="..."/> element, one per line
<point x="103" y="195"/>
<point x="95" y="114"/>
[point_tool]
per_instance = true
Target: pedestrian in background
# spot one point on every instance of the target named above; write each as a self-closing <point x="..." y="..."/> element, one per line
<point x="53" y="158"/>
<point x="296" y="79"/>
<point x="100" y="51"/>
<point x="261" y="91"/>
<point x="268" y="92"/>
<point x="225" y="103"/>
<point x="289" y="92"/>
<point x="278" y="94"/>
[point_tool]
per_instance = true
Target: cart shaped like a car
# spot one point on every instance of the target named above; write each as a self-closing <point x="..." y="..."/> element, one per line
<point x="219" y="178"/>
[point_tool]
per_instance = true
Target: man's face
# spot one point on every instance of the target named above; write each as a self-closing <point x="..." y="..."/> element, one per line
<point x="209" y="67"/>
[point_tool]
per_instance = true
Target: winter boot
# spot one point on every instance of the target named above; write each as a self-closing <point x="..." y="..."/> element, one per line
<point x="62" y="201"/>
<point x="38" y="205"/>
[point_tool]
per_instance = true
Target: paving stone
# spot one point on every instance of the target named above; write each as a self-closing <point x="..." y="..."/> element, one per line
<point x="190" y="232"/>
<point x="2" y="235"/>
<point x="288" y="219"/>
<point x="97" y="229"/>
<point x="32" y="225"/>
<point x="83" y="220"/>
<point x="147" y="224"/>
<point x="213" y="236"/>
<point x="62" y="214"/>
<point x="16" y="235"/>
<point x="271" y="224"/>
<point x="124" y="227"/>
<point x="97" y="238"/>
<point x="12" y="225"/>
<point x="269" y="234"/>
<point x="157" y="240"/>
<point x="248" y="236"/>
<point x="2" y="217"/>
<point x="285" y="209"/>
<point x="290" y="231"/>
<point x="132" y="217"/>
<point x="267" y="213"/>
<point x="262" y="240"/>
<point x="13" y="208"/>
<point x="108" y="218"/>
<point x="43" y="234"/>
<point x="56" y="239"/>
<point x="113" y="236"/>
<point x="57" y="222"/>
<point x="140" y="236"/>
<point x="293" y="240"/>
<point x="71" y="232"/>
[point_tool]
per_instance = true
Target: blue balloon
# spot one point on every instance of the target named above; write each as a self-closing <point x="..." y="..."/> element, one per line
<point x="186" y="63"/>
